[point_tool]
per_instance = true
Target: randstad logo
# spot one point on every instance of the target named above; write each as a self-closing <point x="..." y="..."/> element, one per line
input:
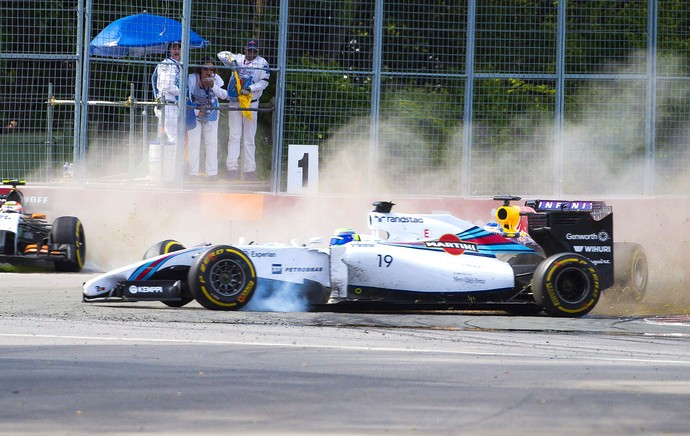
<point x="399" y="219"/>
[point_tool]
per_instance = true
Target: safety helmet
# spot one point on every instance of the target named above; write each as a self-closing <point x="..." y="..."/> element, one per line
<point x="492" y="227"/>
<point x="11" y="206"/>
<point x="344" y="235"/>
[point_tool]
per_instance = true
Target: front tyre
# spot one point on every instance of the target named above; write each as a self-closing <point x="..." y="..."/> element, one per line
<point x="69" y="230"/>
<point x="566" y="285"/>
<point x="164" y="247"/>
<point x="222" y="278"/>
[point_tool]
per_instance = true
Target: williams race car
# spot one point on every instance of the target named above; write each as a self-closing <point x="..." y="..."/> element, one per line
<point x="552" y="256"/>
<point x="28" y="239"/>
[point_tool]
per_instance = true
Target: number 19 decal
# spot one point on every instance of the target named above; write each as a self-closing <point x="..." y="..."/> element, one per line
<point x="385" y="261"/>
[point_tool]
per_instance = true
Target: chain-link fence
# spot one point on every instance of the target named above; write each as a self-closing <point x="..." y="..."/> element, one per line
<point x="423" y="98"/>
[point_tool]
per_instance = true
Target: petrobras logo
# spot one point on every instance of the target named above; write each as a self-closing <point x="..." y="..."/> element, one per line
<point x="602" y="236"/>
<point x="145" y="289"/>
<point x="302" y="269"/>
<point x="276" y="268"/>
<point x="399" y="219"/>
<point x="451" y="244"/>
<point x="592" y="248"/>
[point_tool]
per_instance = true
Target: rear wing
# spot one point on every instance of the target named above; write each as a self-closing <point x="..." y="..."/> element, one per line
<point x="582" y="227"/>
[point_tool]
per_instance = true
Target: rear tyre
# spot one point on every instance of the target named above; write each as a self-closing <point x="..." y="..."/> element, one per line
<point x="222" y="278"/>
<point x="630" y="273"/>
<point x="69" y="230"/>
<point x="566" y="285"/>
<point x="165" y="247"/>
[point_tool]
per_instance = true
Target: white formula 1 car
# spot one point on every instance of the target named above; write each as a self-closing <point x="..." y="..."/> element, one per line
<point x="28" y="239"/>
<point x="552" y="256"/>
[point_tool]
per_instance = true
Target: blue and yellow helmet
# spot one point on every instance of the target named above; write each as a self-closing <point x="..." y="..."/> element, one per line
<point x="344" y="235"/>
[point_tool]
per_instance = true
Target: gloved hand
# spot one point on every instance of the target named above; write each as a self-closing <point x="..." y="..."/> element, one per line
<point x="225" y="57"/>
<point x="246" y="91"/>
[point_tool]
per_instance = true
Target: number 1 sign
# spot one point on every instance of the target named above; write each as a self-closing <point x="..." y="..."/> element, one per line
<point x="303" y="169"/>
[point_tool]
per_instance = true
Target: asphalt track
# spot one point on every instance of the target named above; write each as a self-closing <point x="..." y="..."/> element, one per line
<point x="67" y="367"/>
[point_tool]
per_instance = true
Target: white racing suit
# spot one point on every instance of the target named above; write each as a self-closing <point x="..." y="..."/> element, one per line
<point x="254" y="74"/>
<point x="206" y="125"/>
<point x="167" y="84"/>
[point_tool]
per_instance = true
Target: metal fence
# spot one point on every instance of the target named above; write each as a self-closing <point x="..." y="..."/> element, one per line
<point x="460" y="98"/>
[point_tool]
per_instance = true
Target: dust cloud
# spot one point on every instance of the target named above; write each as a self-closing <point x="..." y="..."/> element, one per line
<point x="123" y="221"/>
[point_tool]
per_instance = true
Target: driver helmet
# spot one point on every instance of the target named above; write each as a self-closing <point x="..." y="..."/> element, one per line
<point x="344" y="235"/>
<point x="11" y="206"/>
<point x="493" y="227"/>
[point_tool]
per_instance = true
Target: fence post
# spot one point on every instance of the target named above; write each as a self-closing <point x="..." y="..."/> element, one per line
<point x="376" y="95"/>
<point x="560" y="100"/>
<point x="650" y="125"/>
<point x="132" y="102"/>
<point x="49" y="132"/>
<point x="279" y="111"/>
<point x="467" y="113"/>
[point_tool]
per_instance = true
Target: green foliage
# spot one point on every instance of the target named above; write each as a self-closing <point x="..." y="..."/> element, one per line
<point x="329" y="77"/>
<point x="307" y="92"/>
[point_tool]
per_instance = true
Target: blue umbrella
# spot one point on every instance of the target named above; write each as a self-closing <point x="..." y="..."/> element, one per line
<point x="140" y="35"/>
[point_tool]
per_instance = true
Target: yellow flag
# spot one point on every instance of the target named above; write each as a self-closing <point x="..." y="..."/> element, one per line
<point x="245" y="100"/>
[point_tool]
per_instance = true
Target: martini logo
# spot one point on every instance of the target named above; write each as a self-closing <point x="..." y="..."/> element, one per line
<point x="451" y="244"/>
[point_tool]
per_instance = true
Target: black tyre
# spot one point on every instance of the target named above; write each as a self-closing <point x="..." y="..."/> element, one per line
<point x="165" y="247"/>
<point x="630" y="273"/>
<point x="566" y="285"/>
<point x="69" y="230"/>
<point x="222" y="278"/>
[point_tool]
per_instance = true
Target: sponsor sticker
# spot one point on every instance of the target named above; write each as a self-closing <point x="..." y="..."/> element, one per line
<point x="262" y="253"/>
<point x="278" y="268"/>
<point x="299" y="269"/>
<point x="602" y="236"/>
<point x="565" y="205"/>
<point x="133" y="289"/>
<point x="399" y="219"/>
<point x="451" y="244"/>
<point x="592" y="248"/>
